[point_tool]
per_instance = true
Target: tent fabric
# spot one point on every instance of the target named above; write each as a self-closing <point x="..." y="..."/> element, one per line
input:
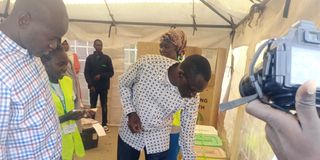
<point x="178" y="11"/>
<point x="250" y="142"/>
<point x="160" y="11"/>
<point x="272" y="24"/>
<point x="121" y="35"/>
<point x="153" y="11"/>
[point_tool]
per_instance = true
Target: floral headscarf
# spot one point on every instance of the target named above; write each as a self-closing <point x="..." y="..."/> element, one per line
<point x="177" y="38"/>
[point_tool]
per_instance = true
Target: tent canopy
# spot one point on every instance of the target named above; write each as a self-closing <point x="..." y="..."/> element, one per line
<point x="160" y="11"/>
<point x="205" y="12"/>
<point x="208" y="22"/>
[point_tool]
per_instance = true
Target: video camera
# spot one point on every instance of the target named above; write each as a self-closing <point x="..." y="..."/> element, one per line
<point x="287" y="63"/>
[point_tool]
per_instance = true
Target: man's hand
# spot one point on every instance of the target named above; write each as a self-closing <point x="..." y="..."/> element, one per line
<point x="97" y="77"/>
<point x="290" y="137"/>
<point x="134" y="122"/>
<point x="88" y="113"/>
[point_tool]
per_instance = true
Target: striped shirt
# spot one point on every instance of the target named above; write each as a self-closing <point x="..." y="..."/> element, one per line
<point x="145" y="89"/>
<point x="29" y="126"/>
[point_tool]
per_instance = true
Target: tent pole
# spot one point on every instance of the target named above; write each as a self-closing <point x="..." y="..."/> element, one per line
<point x="286" y="9"/>
<point x="216" y="11"/>
<point x="263" y="3"/>
<point x="5" y="8"/>
<point x="151" y="24"/>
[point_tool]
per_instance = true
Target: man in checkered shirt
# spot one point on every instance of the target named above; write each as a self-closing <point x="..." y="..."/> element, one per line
<point x="29" y="127"/>
<point x="152" y="90"/>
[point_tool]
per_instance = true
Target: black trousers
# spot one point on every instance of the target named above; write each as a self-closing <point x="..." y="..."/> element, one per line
<point x="103" y="99"/>
<point x="126" y="152"/>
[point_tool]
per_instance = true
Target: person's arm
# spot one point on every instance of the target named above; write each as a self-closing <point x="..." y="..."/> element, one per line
<point x="72" y="115"/>
<point x="188" y="123"/>
<point x="5" y="100"/>
<point x="126" y="82"/>
<point x="109" y="69"/>
<point x="76" y="63"/>
<point x="88" y="72"/>
<point x="292" y="137"/>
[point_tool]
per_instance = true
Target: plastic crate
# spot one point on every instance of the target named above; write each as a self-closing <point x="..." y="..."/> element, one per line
<point x="90" y="138"/>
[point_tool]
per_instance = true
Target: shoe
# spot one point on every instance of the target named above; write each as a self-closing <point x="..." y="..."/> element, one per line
<point x="106" y="129"/>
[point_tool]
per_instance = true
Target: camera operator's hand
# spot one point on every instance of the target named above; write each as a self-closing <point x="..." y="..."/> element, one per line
<point x="291" y="137"/>
<point x="134" y="122"/>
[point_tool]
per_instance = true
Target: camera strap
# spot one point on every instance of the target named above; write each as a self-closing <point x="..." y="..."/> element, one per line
<point x="237" y="102"/>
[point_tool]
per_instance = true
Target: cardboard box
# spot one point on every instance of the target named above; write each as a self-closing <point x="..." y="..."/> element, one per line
<point x="206" y="107"/>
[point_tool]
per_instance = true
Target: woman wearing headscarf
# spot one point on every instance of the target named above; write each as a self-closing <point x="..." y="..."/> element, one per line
<point x="172" y="45"/>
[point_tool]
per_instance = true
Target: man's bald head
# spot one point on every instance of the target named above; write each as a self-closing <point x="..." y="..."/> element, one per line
<point x="37" y="25"/>
<point x="43" y="10"/>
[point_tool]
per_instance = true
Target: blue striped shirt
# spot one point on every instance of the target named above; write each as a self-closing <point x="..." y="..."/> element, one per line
<point x="29" y="126"/>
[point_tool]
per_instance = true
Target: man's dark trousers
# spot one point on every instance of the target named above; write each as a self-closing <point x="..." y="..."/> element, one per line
<point x="126" y="152"/>
<point x="103" y="99"/>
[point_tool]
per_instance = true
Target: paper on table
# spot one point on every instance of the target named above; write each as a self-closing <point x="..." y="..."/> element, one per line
<point x="88" y="121"/>
<point x="99" y="129"/>
<point x="85" y="109"/>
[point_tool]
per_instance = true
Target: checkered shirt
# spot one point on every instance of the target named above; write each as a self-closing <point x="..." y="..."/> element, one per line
<point x="145" y="89"/>
<point x="29" y="126"/>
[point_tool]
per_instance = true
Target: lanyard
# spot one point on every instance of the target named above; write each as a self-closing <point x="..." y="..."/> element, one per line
<point x="62" y="101"/>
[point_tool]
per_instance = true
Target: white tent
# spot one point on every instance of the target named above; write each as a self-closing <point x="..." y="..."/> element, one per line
<point x="208" y="24"/>
<point x="137" y="20"/>
<point x="146" y="19"/>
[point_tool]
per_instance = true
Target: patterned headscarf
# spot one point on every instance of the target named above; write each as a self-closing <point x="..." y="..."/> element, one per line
<point x="177" y="38"/>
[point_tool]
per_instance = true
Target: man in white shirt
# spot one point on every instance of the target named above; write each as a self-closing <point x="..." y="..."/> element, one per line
<point x="152" y="90"/>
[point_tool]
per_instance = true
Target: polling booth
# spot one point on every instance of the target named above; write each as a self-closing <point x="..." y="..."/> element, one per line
<point x="226" y="32"/>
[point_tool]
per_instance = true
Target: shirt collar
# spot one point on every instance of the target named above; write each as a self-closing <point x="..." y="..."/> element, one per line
<point x="97" y="53"/>
<point x="11" y="46"/>
<point x="165" y="77"/>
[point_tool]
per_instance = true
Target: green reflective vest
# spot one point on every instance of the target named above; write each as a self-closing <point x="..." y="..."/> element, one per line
<point x="72" y="142"/>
